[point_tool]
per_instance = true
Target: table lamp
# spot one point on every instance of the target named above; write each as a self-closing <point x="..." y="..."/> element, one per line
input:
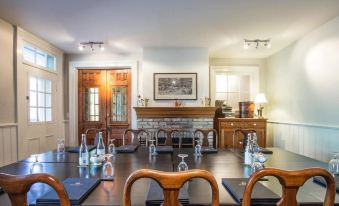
<point x="260" y="99"/>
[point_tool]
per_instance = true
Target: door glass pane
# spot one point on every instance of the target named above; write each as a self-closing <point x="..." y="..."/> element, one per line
<point x="32" y="83"/>
<point x="41" y="99"/>
<point x="92" y="104"/>
<point x="41" y="114"/>
<point x="48" y="100"/>
<point x="41" y="85"/>
<point x="119" y="104"/>
<point x="48" y="115"/>
<point x="33" y="114"/>
<point x="32" y="99"/>
<point x="48" y="86"/>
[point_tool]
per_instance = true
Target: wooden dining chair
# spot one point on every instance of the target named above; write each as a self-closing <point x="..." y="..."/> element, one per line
<point x="204" y="133"/>
<point x="96" y="131"/>
<point x="135" y="136"/>
<point x="291" y="181"/>
<point x="168" y="134"/>
<point x="17" y="187"/>
<point x="170" y="182"/>
<point x="240" y="137"/>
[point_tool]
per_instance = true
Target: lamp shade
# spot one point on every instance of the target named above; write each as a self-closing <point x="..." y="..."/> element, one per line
<point x="260" y="98"/>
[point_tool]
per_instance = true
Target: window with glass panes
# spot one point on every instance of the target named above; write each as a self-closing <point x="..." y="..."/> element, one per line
<point x="38" y="57"/>
<point x="233" y="88"/>
<point x="92" y="104"/>
<point x="40" y="99"/>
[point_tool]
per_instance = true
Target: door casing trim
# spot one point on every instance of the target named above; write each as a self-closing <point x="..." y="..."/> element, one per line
<point x="73" y="95"/>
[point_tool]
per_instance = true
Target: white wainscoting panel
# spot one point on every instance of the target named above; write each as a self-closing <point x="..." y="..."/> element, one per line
<point x="315" y="141"/>
<point x="8" y="144"/>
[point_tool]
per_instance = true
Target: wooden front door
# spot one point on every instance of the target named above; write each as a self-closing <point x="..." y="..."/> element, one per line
<point x="104" y="101"/>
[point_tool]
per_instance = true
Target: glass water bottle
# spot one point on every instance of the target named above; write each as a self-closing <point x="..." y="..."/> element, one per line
<point x="100" y="145"/>
<point x="83" y="152"/>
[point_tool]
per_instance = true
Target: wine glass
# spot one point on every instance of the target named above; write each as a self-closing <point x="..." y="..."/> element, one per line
<point x="256" y="166"/>
<point x="111" y="147"/>
<point x="259" y="161"/>
<point x="37" y="166"/>
<point x="152" y="148"/>
<point x="255" y="146"/>
<point x="107" y="169"/>
<point x="333" y="165"/>
<point x="61" y="146"/>
<point x="197" y="149"/>
<point x="182" y="166"/>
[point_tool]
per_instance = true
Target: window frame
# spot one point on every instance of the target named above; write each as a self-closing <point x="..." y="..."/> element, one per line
<point x="252" y="71"/>
<point x="37" y="77"/>
<point x="34" y="64"/>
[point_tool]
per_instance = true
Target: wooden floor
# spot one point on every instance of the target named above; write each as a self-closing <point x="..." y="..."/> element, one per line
<point x="224" y="164"/>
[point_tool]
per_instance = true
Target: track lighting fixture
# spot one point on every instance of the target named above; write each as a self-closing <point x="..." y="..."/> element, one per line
<point x="91" y="45"/>
<point x="257" y="43"/>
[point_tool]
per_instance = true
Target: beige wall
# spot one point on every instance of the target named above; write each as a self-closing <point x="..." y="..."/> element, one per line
<point x="7" y="100"/>
<point x="175" y="60"/>
<point x="302" y="89"/>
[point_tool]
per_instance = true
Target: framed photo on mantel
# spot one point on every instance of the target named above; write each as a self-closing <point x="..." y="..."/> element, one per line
<point x="169" y="86"/>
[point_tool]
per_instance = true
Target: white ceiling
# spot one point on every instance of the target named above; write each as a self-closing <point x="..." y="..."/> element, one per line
<point x="127" y="26"/>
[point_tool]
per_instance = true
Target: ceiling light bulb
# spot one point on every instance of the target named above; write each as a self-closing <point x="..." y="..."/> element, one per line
<point x="246" y="45"/>
<point x="268" y="45"/>
<point x="81" y="47"/>
<point x="102" y="48"/>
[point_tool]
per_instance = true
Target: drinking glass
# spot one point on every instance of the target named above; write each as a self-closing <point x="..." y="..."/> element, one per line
<point x="37" y="166"/>
<point x="197" y="149"/>
<point x="333" y="165"/>
<point x="107" y="169"/>
<point x="255" y="146"/>
<point x="182" y="166"/>
<point x="152" y="148"/>
<point x="256" y="166"/>
<point x="111" y="147"/>
<point x="61" y="146"/>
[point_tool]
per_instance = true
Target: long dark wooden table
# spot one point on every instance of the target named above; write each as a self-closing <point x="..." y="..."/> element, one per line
<point x="224" y="164"/>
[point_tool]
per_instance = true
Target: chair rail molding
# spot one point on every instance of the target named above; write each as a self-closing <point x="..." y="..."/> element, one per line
<point x="317" y="141"/>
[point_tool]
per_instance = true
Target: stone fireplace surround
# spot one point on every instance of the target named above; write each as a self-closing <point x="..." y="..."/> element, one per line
<point x="187" y="119"/>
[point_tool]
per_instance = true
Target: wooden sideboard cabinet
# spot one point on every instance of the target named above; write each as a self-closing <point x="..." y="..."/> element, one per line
<point x="227" y="126"/>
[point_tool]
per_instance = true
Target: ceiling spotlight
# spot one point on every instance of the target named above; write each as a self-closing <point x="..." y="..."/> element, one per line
<point x="257" y="42"/>
<point x="268" y="45"/>
<point x="102" y="48"/>
<point x="81" y="47"/>
<point x="92" y="46"/>
<point x="246" y="45"/>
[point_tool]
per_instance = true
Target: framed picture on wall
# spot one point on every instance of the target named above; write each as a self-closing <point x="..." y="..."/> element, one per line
<point x="168" y="86"/>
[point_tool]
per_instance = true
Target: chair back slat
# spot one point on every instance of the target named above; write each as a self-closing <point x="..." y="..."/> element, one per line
<point x="135" y="136"/>
<point x="17" y="187"/>
<point x="171" y="182"/>
<point x="205" y="133"/>
<point x="291" y="181"/>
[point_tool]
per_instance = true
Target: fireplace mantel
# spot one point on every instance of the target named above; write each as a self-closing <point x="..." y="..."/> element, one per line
<point x="172" y="112"/>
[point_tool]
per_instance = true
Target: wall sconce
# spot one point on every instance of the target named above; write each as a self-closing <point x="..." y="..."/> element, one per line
<point x="91" y="45"/>
<point x="257" y="43"/>
<point x="260" y="99"/>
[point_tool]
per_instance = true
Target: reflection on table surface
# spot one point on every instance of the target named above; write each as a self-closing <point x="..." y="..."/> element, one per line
<point x="224" y="164"/>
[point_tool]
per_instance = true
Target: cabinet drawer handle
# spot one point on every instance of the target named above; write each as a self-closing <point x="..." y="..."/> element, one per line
<point x="254" y="124"/>
<point x="232" y="124"/>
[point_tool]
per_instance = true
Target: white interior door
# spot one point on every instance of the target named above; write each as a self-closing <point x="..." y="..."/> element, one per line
<point x="37" y="111"/>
